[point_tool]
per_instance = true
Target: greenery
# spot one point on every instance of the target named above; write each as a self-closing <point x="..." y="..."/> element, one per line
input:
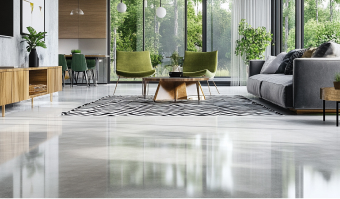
<point x="75" y="51"/>
<point x="34" y="39"/>
<point x="174" y="58"/>
<point x="253" y="42"/>
<point x="337" y="77"/>
<point x="156" y="59"/>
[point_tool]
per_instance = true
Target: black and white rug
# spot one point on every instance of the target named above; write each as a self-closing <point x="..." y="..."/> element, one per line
<point x="220" y="105"/>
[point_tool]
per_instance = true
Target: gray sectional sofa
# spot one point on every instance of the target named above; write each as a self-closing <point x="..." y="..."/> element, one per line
<point x="300" y="91"/>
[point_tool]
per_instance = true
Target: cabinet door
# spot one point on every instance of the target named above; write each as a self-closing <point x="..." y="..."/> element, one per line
<point x="20" y="88"/>
<point x="58" y="86"/>
<point x="6" y="88"/>
<point x="50" y="80"/>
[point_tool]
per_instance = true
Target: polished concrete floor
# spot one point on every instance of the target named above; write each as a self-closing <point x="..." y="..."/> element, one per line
<point x="44" y="154"/>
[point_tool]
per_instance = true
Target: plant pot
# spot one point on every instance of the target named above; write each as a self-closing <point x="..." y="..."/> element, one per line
<point x="336" y="85"/>
<point x="33" y="58"/>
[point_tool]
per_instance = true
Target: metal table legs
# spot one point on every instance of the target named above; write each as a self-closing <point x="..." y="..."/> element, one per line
<point x="337" y="112"/>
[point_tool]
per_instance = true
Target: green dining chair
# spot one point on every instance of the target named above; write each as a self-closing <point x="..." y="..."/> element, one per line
<point x="133" y="65"/>
<point x="63" y="63"/>
<point x="200" y="64"/>
<point x="79" y="65"/>
<point x="91" y="66"/>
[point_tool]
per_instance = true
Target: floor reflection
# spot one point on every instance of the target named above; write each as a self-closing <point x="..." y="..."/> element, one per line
<point x="47" y="163"/>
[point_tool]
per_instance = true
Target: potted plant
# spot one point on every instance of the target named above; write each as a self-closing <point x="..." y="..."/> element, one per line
<point x="253" y="42"/>
<point x="174" y="61"/>
<point x="337" y="81"/>
<point x="75" y="51"/>
<point x="34" y="40"/>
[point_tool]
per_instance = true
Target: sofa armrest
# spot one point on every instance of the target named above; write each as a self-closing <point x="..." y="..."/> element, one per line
<point x="255" y="67"/>
<point x="309" y="75"/>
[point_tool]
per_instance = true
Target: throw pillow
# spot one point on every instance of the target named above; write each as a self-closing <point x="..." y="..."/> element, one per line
<point x="308" y="53"/>
<point x="285" y="61"/>
<point x="327" y="50"/>
<point x="296" y="54"/>
<point x="267" y="62"/>
<point x="274" y="65"/>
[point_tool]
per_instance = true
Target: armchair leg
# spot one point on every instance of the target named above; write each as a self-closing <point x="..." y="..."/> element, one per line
<point x="216" y="87"/>
<point x="63" y="76"/>
<point x="116" y="85"/>
<point x="209" y="87"/>
<point x="87" y="79"/>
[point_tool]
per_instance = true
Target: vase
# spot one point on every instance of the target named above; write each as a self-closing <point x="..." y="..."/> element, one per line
<point x="33" y="58"/>
<point x="336" y="85"/>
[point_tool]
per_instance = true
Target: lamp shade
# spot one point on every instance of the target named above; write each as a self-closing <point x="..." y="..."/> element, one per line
<point x="121" y="7"/>
<point x="160" y="12"/>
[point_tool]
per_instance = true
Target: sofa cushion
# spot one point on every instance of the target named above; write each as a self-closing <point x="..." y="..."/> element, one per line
<point x="276" y="88"/>
<point x="289" y="67"/>
<point x="274" y="65"/>
<point x="327" y="50"/>
<point x="266" y="64"/>
<point x="309" y="52"/>
<point x="285" y="61"/>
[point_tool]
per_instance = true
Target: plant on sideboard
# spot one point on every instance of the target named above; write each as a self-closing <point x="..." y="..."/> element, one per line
<point x="253" y="42"/>
<point x="337" y="81"/>
<point x="34" y="39"/>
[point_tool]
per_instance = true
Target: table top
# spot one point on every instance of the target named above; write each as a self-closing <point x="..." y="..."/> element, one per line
<point x="90" y="56"/>
<point x="330" y="94"/>
<point x="30" y="68"/>
<point x="176" y="79"/>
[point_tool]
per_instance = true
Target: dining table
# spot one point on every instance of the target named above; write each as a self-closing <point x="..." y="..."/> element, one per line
<point x="96" y="57"/>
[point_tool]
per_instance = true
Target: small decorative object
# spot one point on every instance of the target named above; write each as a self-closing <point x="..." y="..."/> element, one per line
<point x="337" y="81"/>
<point x="75" y="51"/>
<point x="121" y="7"/>
<point x="34" y="40"/>
<point x="160" y="12"/>
<point x="175" y="74"/>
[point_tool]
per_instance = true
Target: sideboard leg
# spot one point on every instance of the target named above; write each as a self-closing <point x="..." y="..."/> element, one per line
<point x="32" y="102"/>
<point x="51" y="97"/>
<point x="3" y="110"/>
<point x="337" y="113"/>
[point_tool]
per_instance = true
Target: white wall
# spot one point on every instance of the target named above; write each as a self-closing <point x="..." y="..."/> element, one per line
<point x="13" y="52"/>
<point x="87" y="46"/>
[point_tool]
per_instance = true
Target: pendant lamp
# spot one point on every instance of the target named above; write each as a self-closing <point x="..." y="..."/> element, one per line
<point x="121" y="7"/>
<point x="160" y="12"/>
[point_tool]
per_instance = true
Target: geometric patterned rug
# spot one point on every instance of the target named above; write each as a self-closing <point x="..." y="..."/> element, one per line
<point x="215" y="105"/>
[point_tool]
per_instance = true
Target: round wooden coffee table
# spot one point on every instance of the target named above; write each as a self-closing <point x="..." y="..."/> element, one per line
<point x="330" y="94"/>
<point x="175" y="88"/>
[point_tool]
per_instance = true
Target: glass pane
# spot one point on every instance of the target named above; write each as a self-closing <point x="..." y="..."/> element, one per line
<point x="219" y="33"/>
<point x="288" y="25"/>
<point x="164" y="36"/>
<point x="126" y="30"/>
<point x="322" y="22"/>
<point x="194" y="19"/>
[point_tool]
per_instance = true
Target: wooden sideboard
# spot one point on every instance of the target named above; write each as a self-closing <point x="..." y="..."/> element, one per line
<point x="15" y="83"/>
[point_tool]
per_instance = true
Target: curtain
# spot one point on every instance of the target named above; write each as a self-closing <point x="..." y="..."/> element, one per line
<point x="257" y="13"/>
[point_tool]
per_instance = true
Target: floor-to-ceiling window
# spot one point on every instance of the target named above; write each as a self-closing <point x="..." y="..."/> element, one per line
<point x="219" y="14"/>
<point x="288" y="25"/>
<point x="194" y="30"/>
<point x="322" y="22"/>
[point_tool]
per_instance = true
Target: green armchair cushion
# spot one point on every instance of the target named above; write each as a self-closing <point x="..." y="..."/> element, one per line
<point x="198" y="64"/>
<point x="134" y="64"/>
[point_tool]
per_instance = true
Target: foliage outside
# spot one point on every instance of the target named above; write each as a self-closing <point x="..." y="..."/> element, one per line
<point x="34" y="39"/>
<point x="253" y="42"/>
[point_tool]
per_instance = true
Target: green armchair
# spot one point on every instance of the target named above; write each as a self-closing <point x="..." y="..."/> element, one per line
<point x="91" y="66"/>
<point x="79" y="65"/>
<point x="62" y="62"/>
<point x="133" y="65"/>
<point x="200" y="64"/>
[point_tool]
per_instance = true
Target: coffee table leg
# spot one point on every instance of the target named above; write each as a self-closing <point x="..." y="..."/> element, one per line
<point x="198" y="91"/>
<point x="337" y="113"/>
<point x="323" y="107"/>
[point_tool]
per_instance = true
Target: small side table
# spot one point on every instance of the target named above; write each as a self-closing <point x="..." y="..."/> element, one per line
<point x="330" y="94"/>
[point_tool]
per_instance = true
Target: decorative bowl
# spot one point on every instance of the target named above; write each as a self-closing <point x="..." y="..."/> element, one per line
<point x="175" y="74"/>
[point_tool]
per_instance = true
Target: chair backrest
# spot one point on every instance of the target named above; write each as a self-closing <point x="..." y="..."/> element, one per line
<point x="91" y="63"/>
<point x="62" y="62"/>
<point x="196" y="61"/>
<point x="133" y="61"/>
<point x="78" y="62"/>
